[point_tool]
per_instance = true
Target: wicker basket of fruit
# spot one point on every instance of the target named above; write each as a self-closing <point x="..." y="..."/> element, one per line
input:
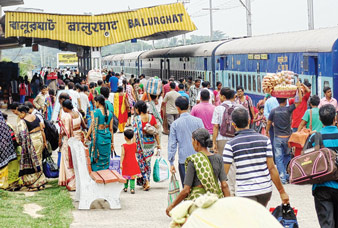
<point x="280" y="85"/>
<point x="284" y="93"/>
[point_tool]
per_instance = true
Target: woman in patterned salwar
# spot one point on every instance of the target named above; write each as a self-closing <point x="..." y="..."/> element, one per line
<point x="70" y="124"/>
<point x="9" y="165"/>
<point x="32" y="140"/>
<point x="14" y="181"/>
<point x="145" y="143"/>
<point x="121" y="107"/>
<point x="102" y="136"/>
<point x="203" y="171"/>
<point x="50" y="102"/>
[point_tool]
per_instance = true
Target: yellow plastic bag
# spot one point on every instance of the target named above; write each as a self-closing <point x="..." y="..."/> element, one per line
<point x="4" y="178"/>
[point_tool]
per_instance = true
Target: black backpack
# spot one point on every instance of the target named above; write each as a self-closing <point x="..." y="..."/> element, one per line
<point x="286" y="216"/>
<point x="52" y="134"/>
<point x="115" y="121"/>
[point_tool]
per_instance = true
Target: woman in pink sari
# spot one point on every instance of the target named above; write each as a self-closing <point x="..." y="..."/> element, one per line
<point x="128" y="89"/>
<point x="70" y="123"/>
<point x="217" y="93"/>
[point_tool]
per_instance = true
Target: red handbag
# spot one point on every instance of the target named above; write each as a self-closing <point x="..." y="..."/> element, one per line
<point x="315" y="166"/>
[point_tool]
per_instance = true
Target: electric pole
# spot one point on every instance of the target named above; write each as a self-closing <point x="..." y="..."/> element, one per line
<point x="184" y="2"/>
<point x="311" y="22"/>
<point x="211" y="21"/>
<point x="247" y="7"/>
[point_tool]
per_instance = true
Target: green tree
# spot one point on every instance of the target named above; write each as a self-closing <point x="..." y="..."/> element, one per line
<point x="218" y="35"/>
<point x="25" y="67"/>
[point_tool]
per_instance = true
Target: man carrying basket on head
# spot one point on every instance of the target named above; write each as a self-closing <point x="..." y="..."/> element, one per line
<point x="280" y="117"/>
<point x="154" y="90"/>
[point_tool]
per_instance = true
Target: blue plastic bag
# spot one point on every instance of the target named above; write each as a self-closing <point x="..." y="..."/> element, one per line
<point x="115" y="162"/>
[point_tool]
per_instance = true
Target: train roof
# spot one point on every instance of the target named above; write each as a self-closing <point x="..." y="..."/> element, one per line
<point x="318" y="40"/>
<point x="157" y="53"/>
<point x="117" y="57"/>
<point x="132" y="55"/>
<point x="203" y="49"/>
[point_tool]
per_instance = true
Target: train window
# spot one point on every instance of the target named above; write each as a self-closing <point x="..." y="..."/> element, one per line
<point x="236" y="81"/>
<point x="229" y="80"/>
<point x="326" y="84"/>
<point x="249" y="82"/>
<point x="254" y="83"/>
<point x="245" y="82"/>
<point x="259" y="84"/>
<point x="306" y="63"/>
<point x="233" y="80"/>
<point x="217" y="77"/>
<point x="241" y="80"/>
<point x="306" y="80"/>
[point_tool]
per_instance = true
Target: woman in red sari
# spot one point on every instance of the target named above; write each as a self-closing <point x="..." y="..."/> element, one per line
<point x="121" y="107"/>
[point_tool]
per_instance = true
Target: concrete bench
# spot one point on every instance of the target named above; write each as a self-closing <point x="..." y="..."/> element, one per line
<point x="90" y="186"/>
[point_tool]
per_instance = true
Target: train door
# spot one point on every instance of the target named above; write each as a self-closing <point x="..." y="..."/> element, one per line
<point x="161" y="68"/>
<point x="205" y="69"/>
<point x="312" y="64"/>
<point x="168" y="69"/>
<point x="219" y="71"/>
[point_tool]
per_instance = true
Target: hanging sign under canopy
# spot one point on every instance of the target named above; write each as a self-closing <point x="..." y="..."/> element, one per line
<point x="100" y="30"/>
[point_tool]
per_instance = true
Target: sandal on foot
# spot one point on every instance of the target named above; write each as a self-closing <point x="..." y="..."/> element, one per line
<point x="146" y="187"/>
<point x="42" y="188"/>
<point x="132" y="191"/>
<point x="125" y="189"/>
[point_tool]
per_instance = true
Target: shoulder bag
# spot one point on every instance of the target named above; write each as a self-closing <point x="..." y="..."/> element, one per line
<point x="150" y="129"/>
<point x="314" y="166"/>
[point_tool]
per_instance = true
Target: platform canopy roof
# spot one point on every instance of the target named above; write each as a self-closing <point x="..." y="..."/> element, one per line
<point x="10" y="2"/>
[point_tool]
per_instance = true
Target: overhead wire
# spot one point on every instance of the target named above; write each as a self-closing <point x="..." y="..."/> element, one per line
<point x="224" y="5"/>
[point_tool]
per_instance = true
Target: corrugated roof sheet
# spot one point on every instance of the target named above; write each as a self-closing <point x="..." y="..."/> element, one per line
<point x="101" y="30"/>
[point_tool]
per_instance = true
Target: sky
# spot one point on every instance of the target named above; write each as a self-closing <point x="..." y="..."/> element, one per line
<point x="268" y="16"/>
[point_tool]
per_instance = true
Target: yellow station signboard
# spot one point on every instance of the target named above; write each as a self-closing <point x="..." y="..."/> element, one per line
<point x="100" y="30"/>
<point x="66" y="59"/>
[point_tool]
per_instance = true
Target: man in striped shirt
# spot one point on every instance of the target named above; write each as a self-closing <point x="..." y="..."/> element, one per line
<point x="252" y="154"/>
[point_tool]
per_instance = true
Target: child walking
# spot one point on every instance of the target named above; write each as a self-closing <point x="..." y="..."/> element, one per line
<point x="130" y="168"/>
<point x="260" y="121"/>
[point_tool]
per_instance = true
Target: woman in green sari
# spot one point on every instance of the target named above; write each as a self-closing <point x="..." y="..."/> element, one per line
<point x="203" y="171"/>
<point x="102" y="136"/>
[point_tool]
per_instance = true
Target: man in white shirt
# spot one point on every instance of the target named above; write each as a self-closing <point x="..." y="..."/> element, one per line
<point x="143" y="81"/>
<point x="84" y="100"/>
<point x="74" y="95"/>
<point x="205" y="85"/>
<point x="227" y="96"/>
<point x="120" y="83"/>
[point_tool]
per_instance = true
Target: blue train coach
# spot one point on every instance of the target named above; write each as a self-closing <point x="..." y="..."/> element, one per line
<point x="312" y="54"/>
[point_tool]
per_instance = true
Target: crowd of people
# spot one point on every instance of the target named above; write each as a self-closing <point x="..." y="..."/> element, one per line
<point x="226" y="144"/>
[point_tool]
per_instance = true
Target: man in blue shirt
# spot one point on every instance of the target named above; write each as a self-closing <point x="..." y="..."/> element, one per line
<point x="326" y="194"/>
<point x="113" y="82"/>
<point x="270" y="104"/>
<point x="182" y="92"/>
<point x="180" y="134"/>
